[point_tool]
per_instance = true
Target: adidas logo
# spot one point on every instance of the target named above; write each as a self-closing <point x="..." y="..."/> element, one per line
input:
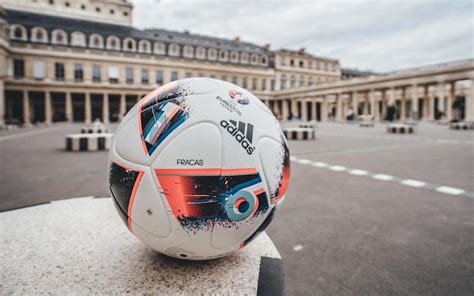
<point x="242" y="132"/>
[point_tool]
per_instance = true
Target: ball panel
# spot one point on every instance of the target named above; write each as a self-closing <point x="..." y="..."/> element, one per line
<point x="148" y="209"/>
<point x="198" y="146"/>
<point x="274" y="159"/>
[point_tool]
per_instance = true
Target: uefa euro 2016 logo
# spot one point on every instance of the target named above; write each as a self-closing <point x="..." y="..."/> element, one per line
<point x="239" y="97"/>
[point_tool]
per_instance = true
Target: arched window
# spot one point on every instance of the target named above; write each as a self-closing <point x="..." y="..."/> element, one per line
<point x="59" y="37"/>
<point x="159" y="48"/>
<point x="96" y="41"/>
<point x="78" y="39"/>
<point x="200" y="53"/>
<point x="173" y="50"/>
<point x="212" y="54"/>
<point x="264" y="60"/>
<point x="254" y="59"/>
<point x="188" y="51"/>
<point x="39" y="34"/>
<point x="144" y="46"/>
<point x="113" y="43"/>
<point x="223" y="55"/>
<point x="244" y="58"/>
<point x="129" y="44"/>
<point x="18" y="32"/>
<point x="234" y="57"/>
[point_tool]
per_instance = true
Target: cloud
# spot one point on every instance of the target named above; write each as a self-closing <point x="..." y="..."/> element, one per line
<point x="377" y="35"/>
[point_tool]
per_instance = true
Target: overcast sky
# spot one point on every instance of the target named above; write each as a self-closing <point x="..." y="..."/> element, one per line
<point x="376" y="35"/>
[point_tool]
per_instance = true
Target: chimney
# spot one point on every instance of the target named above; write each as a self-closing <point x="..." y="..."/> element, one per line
<point x="236" y="40"/>
<point x="267" y="47"/>
<point x="301" y="50"/>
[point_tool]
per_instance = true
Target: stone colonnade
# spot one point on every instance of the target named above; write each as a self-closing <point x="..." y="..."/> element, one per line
<point x="435" y="101"/>
<point x="71" y="106"/>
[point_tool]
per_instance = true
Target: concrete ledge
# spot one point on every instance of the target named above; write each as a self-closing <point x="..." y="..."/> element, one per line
<point x="462" y="125"/>
<point x="88" y="142"/>
<point x="400" y="128"/>
<point x="299" y="133"/>
<point x="80" y="246"/>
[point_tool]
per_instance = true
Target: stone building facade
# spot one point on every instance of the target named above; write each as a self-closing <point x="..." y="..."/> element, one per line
<point x="81" y="60"/>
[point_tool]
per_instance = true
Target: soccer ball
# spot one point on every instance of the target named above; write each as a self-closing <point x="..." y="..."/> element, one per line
<point x="197" y="168"/>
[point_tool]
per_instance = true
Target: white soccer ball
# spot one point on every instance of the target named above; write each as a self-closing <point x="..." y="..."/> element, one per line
<point x="198" y="168"/>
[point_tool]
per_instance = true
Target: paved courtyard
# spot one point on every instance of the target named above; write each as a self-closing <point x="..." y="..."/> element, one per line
<point x="367" y="212"/>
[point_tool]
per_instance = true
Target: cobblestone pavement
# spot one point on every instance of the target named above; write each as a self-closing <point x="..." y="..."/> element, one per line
<point x="367" y="212"/>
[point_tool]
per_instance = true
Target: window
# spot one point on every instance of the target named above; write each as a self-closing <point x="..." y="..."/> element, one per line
<point x="293" y="81"/>
<point x="59" y="37"/>
<point x="129" y="75"/>
<point x="78" y="72"/>
<point x="283" y="82"/>
<point x="78" y="39"/>
<point x="96" y="41"/>
<point x="112" y="11"/>
<point x="114" y="73"/>
<point x="301" y="64"/>
<point x="244" y="58"/>
<point x="254" y="83"/>
<point x="97" y="9"/>
<point x="18" y="33"/>
<point x="95" y="73"/>
<point x="159" y="48"/>
<point x="213" y="76"/>
<point x="144" y="46"/>
<point x="129" y="44"/>
<point x="200" y="53"/>
<point x="113" y="42"/>
<point x="173" y="50"/>
<point x="39" y="35"/>
<point x="234" y="57"/>
<point x="83" y="7"/>
<point x="292" y="62"/>
<point x="145" y="76"/>
<point x="264" y="84"/>
<point x="188" y="51"/>
<point x="18" y="68"/>
<point x="212" y="54"/>
<point x="224" y="77"/>
<point x="159" y="76"/>
<point x="59" y="71"/>
<point x="234" y="79"/>
<point x="39" y="69"/>
<point x="125" y="13"/>
<point x="174" y="76"/>
<point x="302" y="81"/>
<point x="189" y="74"/>
<point x="272" y="84"/>
<point x="244" y="82"/>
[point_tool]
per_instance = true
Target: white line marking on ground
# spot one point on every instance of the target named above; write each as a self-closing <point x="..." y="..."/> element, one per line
<point x="298" y="248"/>
<point x="358" y="172"/>
<point x="413" y="183"/>
<point x="319" y="164"/>
<point x="337" y="168"/>
<point x="450" y="190"/>
<point x="382" y="177"/>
